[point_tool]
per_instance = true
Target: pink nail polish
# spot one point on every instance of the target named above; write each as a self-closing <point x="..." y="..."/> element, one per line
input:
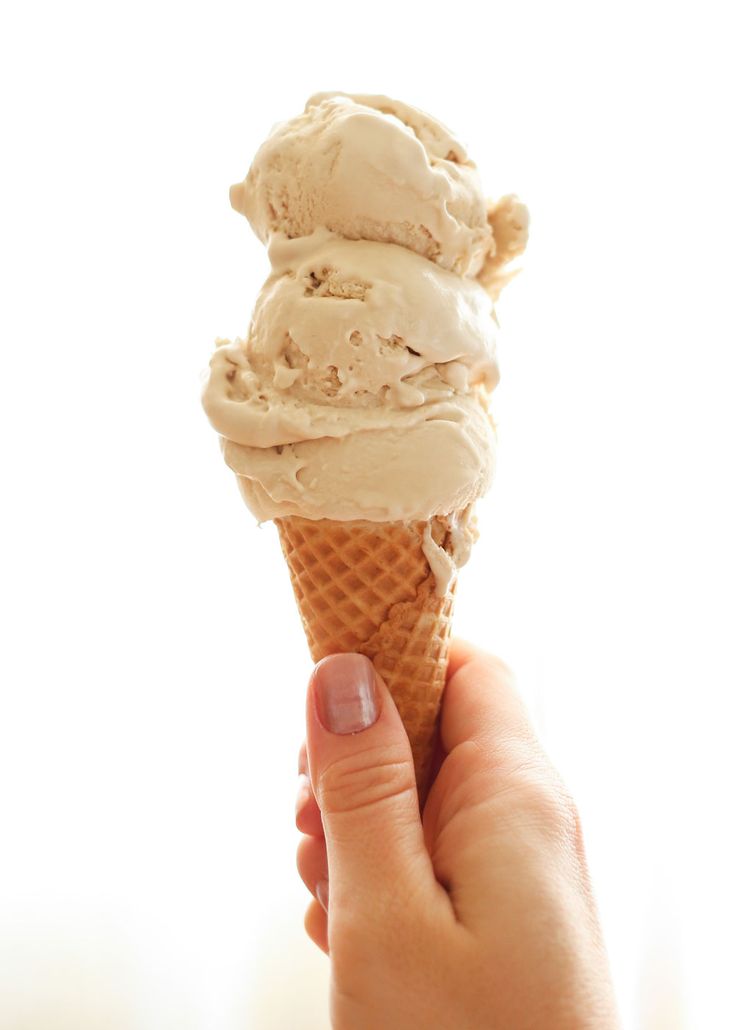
<point x="345" y="693"/>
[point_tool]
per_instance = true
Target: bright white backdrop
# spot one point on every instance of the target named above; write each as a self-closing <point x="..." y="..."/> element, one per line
<point x="153" y="670"/>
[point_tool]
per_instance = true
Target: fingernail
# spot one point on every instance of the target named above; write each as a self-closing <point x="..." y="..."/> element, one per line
<point x="322" y="890"/>
<point x="303" y="794"/>
<point x="345" y="693"/>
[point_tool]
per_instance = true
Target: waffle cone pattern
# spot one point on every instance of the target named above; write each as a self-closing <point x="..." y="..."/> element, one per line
<point x="367" y="587"/>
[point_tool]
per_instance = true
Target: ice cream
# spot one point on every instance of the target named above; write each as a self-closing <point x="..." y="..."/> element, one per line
<point x="362" y="388"/>
<point x="355" y="412"/>
<point x="370" y="168"/>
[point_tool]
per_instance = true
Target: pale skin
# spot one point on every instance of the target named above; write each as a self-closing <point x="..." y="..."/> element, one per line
<point x="477" y="914"/>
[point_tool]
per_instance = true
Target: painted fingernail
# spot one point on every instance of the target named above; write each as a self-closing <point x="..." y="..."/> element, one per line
<point x="303" y="794"/>
<point x="322" y="890"/>
<point x="345" y="693"/>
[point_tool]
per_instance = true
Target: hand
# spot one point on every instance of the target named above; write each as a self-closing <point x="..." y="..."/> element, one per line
<point x="478" y="914"/>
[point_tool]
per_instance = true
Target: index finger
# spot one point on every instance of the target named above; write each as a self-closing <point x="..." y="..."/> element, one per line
<point x="480" y="702"/>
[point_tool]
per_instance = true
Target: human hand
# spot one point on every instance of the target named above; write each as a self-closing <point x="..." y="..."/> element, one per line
<point x="477" y="914"/>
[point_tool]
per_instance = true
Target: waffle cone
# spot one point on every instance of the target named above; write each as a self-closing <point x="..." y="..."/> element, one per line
<point x="368" y="587"/>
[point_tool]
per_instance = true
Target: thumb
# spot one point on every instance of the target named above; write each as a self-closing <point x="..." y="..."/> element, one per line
<point x="362" y="773"/>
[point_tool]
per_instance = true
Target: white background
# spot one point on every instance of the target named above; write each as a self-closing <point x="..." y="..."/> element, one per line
<point x="153" y="670"/>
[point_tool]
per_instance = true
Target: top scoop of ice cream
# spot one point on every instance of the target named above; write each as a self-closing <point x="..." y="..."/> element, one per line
<point x="371" y="168"/>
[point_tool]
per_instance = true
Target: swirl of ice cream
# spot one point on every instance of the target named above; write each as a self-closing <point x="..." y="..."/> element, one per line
<point x="371" y="168"/>
<point x="361" y="389"/>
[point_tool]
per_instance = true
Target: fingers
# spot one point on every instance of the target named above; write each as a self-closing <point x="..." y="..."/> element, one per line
<point x="315" y="923"/>
<point x="307" y="813"/>
<point x="362" y="774"/>
<point x="303" y="760"/>
<point x="306" y="809"/>
<point x="461" y="652"/>
<point x="481" y="704"/>
<point x="488" y="741"/>
<point x="311" y="861"/>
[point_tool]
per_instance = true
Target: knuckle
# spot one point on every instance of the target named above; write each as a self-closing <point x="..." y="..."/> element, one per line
<point x="499" y="669"/>
<point x="573" y="827"/>
<point x="365" y="779"/>
<point x="491" y="668"/>
<point x="564" y="813"/>
<point x="537" y="790"/>
<point x="547" y="800"/>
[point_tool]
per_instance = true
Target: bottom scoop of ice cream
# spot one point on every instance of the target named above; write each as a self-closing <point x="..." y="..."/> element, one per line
<point x="436" y="466"/>
<point x="361" y="390"/>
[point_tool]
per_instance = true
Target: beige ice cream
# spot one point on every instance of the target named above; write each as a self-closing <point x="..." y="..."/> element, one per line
<point x="369" y="168"/>
<point x="361" y="391"/>
<point x="365" y="367"/>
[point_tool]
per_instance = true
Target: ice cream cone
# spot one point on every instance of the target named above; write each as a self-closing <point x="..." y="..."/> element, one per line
<point x="368" y="587"/>
<point x="357" y="407"/>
